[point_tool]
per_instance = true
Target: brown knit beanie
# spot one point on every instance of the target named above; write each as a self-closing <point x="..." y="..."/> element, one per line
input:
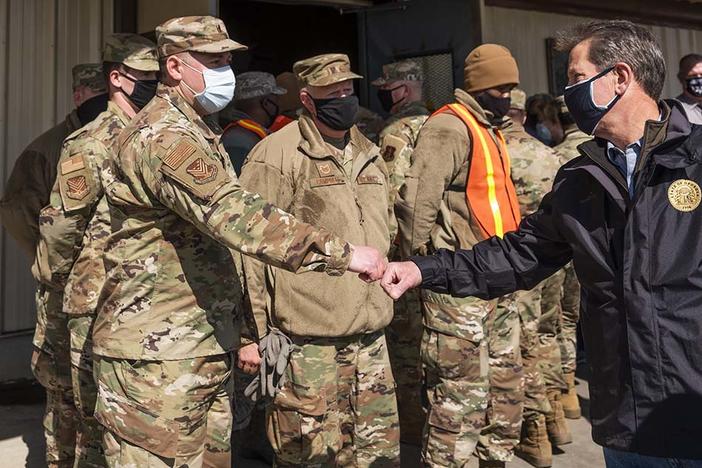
<point x="489" y="66"/>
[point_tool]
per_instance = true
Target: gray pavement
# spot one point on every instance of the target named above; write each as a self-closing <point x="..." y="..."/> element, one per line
<point x="22" y="441"/>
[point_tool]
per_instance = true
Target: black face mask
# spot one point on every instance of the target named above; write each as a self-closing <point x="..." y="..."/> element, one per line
<point x="497" y="106"/>
<point x="143" y="92"/>
<point x="272" y="114"/>
<point x="92" y="108"/>
<point x="385" y="96"/>
<point x="337" y="113"/>
<point x="694" y="86"/>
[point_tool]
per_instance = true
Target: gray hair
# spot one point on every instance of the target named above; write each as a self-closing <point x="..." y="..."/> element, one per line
<point x="615" y="41"/>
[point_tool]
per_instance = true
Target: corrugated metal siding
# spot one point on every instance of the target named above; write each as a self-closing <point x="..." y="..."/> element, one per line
<point x="525" y="33"/>
<point x="40" y="41"/>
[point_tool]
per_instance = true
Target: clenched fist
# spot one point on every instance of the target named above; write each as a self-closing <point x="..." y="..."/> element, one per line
<point x="399" y="277"/>
<point x="368" y="262"/>
<point x="249" y="358"/>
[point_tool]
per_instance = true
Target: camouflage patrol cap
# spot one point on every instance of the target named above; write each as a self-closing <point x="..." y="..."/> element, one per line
<point x="194" y="33"/>
<point x="517" y="99"/>
<point x="323" y="70"/>
<point x="132" y="50"/>
<point x="89" y="75"/>
<point x="255" y="84"/>
<point x="405" y="70"/>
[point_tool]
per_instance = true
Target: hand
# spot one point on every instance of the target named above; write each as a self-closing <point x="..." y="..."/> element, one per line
<point x="368" y="263"/>
<point x="249" y="359"/>
<point x="399" y="277"/>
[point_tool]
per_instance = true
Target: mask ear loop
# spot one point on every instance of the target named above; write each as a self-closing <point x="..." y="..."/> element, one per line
<point x="195" y="93"/>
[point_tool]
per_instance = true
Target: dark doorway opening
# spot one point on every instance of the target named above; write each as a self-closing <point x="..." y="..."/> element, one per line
<point x="279" y="35"/>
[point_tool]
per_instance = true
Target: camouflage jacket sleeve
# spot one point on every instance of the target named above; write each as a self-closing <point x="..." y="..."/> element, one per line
<point x="26" y="193"/>
<point x="202" y="190"/>
<point x="268" y="180"/>
<point x="436" y="160"/>
<point x="63" y="222"/>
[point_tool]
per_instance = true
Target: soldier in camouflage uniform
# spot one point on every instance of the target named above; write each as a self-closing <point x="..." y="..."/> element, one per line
<point x="434" y="211"/>
<point x="337" y="406"/>
<point x="401" y="86"/>
<point x="570" y="302"/>
<point x="170" y="309"/>
<point x="28" y="187"/>
<point x="534" y="166"/>
<point x="246" y="120"/>
<point x="77" y="220"/>
<point x="27" y="192"/>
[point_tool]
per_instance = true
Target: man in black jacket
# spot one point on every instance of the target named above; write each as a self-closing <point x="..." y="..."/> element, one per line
<point x="627" y="213"/>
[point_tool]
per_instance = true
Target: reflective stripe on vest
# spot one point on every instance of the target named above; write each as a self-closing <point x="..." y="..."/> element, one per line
<point x="249" y="125"/>
<point x="490" y="193"/>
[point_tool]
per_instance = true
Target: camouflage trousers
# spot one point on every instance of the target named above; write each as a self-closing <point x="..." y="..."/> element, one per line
<point x="535" y="394"/>
<point x="454" y="357"/>
<point x="506" y="376"/>
<point x="570" y="304"/>
<point x="337" y="406"/>
<point x="89" y="452"/>
<point x="549" y="354"/>
<point x="165" y="413"/>
<point x="404" y="337"/>
<point x="51" y="365"/>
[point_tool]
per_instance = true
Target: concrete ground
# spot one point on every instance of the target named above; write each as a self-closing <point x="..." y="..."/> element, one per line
<point x="22" y="441"/>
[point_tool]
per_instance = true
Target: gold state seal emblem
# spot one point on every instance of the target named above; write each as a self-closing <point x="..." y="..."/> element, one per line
<point x="684" y="195"/>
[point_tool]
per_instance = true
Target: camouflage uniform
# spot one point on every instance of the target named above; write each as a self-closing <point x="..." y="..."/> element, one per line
<point x="169" y="312"/>
<point x="29" y="186"/>
<point x="77" y="220"/>
<point x="404" y="334"/>
<point x="454" y="345"/>
<point x="337" y="407"/>
<point x="20" y="210"/>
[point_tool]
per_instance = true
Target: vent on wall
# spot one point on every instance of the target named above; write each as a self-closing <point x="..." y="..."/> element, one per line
<point x="438" y="78"/>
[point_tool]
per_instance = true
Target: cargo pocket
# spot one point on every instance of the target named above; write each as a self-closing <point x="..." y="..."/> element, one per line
<point x="302" y="430"/>
<point x="136" y="424"/>
<point x="444" y="429"/>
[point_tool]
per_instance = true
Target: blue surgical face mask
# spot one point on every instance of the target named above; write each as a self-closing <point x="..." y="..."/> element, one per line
<point x="581" y="104"/>
<point x="219" y="88"/>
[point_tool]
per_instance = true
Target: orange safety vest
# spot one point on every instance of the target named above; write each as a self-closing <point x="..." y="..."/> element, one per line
<point x="280" y="122"/>
<point x="249" y="125"/>
<point x="490" y="193"/>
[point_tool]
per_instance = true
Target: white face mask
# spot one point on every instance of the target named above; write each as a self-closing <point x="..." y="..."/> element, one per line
<point x="219" y="88"/>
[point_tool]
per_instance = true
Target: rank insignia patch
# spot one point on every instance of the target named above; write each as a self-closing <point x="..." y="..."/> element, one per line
<point x="202" y="172"/>
<point x="77" y="187"/>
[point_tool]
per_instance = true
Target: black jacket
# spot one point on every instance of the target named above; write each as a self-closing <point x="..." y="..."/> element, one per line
<point x="639" y="262"/>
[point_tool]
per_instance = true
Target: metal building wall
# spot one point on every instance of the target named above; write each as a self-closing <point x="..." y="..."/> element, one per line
<point x="40" y="41"/>
<point x="525" y="32"/>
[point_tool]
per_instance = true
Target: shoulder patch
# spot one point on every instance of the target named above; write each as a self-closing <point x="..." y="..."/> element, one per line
<point x="199" y="173"/>
<point x="178" y="154"/>
<point x="392" y="146"/>
<point x="72" y="164"/>
<point x="77" y="187"/>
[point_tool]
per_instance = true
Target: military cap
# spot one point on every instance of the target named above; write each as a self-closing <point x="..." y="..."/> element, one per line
<point x="517" y="99"/>
<point x="405" y="70"/>
<point x="89" y="75"/>
<point x="132" y="50"/>
<point x="562" y="108"/>
<point x="324" y="70"/>
<point x="194" y="33"/>
<point x="254" y="84"/>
